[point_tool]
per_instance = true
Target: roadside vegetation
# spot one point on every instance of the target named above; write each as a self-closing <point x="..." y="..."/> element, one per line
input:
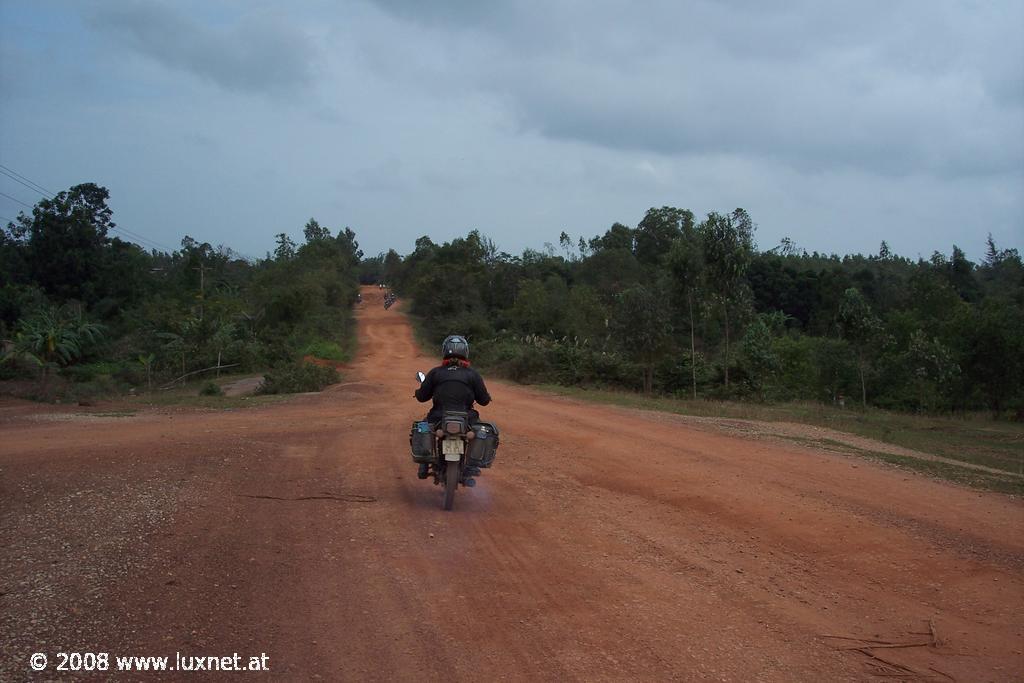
<point x="676" y="307"/>
<point x="85" y="314"/>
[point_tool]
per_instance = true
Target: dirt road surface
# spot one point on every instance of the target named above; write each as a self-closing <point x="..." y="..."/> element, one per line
<point x="605" y="545"/>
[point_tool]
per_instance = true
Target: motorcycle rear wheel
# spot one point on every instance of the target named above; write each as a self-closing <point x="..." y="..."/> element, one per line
<point x="451" y="480"/>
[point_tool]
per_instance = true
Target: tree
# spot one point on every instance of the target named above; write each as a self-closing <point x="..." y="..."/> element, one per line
<point x="933" y="299"/>
<point x="566" y="243"/>
<point x="745" y="227"/>
<point x="13" y="252"/>
<point x="992" y="358"/>
<point x="728" y="245"/>
<point x="658" y="229"/>
<point x="960" y="273"/>
<point x="53" y="336"/>
<point x="640" y="324"/>
<point x="586" y="318"/>
<point x="760" y="359"/>
<point x="1002" y="273"/>
<point x="860" y="327"/>
<point x="931" y="367"/>
<point x="314" y="232"/>
<point x="65" y="242"/>
<point x="540" y="307"/>
<point x="609" y="271"/>
<point x="446" y="284"/>
<point x="991" y="253"/>
<point x="349" y="246"/>
<point x="285" y="250"/>
<point x="618" y="236"/>
<point x="223" y="335"/>
<point x="787" y="247"/>
<point x="686" y="266"/>
<point x="392" y="266"/>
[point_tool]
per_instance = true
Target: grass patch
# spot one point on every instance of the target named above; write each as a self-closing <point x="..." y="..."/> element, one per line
<point x="326" y="350"/>
<point x="960" y="475"/>
<point x="988" y="481"/>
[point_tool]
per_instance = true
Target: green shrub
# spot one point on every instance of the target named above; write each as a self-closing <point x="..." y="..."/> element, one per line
<point x="131" y="373"/>
<point x="87" y="372"/>
<point x="211" y="389"/>
<point x="298" y="378"/>
<point x="326" y="350"/>
<point x="257" y="355"/>
<point x="565" y="361"/>
<point x="16" y="368"/>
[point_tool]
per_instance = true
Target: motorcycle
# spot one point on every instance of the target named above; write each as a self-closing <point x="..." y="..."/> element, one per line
<point x="454" y="449"/>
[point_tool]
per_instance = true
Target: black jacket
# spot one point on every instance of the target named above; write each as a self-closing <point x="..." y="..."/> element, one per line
<point x="452" y="387"/>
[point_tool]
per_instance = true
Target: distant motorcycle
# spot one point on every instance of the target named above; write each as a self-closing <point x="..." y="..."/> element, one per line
<point x="454" y="449"/>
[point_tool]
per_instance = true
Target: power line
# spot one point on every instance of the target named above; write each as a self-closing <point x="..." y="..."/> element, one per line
<point x="37" y="187"/>
<point x="151" y="243"/>
<point x="16" y="178"/>
<point x="16" y="200"/>
<point x="146" y="242"/>
<point x="127" y="233"/>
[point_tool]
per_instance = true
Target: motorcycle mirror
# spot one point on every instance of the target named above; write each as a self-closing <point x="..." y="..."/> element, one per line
<point x="420" y="376"/>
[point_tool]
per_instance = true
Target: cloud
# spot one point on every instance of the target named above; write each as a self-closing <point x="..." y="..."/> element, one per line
<point x="894" y="89"/>
<point x="260" y="52"/>
<point x="838" y="125"/>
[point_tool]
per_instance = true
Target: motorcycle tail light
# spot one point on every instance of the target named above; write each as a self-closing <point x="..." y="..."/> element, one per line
<point x="453" y="427"/>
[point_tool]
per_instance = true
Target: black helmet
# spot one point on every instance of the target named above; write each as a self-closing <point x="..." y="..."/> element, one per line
<point x="455" y="346"/>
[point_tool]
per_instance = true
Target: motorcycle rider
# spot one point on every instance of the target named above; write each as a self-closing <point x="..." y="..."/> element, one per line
<point x="453" y="385"/>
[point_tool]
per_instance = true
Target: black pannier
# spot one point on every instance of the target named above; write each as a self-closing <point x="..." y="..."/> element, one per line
<point x="421" y="441"/>
<point x="482" y="448"/>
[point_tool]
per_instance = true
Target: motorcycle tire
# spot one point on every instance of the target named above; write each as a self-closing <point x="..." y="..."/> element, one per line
<point x="451" y="480"/>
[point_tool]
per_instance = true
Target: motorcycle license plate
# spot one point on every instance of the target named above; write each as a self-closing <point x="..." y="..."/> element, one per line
<point x="452" y="449"/>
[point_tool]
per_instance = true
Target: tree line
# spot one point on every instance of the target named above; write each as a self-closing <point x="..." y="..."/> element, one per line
<point x="692" y="308"/>
<point x="672" y="306"/>
<point x="79" y="303"/>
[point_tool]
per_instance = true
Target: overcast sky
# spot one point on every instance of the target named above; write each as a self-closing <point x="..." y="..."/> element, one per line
<point x="837" y="124"/>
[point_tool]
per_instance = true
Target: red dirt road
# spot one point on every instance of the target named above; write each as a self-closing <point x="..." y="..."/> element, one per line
<point x="606" y="544"/>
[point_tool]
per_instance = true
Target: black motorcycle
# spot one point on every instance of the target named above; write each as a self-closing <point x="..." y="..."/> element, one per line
<point x="454" y="449"/>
